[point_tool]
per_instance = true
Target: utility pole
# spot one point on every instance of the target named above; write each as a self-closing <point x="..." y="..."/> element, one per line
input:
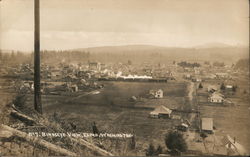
<point x="37" y="91"/>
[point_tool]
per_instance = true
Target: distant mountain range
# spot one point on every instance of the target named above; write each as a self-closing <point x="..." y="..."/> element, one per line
<point x="210" y="52"/>
<point x="217" y="45"/>
<point x="140" y="53"/>
<point x="142" y="47"/>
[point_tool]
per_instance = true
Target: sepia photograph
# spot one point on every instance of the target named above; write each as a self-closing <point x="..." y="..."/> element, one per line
<point x="124" y="78"/>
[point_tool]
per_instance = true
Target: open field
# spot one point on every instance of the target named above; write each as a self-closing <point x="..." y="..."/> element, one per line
<point x="114" y="113"/>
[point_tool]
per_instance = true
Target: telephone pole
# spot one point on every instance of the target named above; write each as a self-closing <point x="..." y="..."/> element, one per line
<point x="37" y="90"/>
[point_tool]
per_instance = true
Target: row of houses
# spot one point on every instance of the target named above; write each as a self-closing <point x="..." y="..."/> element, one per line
<point x="215" y="95"/>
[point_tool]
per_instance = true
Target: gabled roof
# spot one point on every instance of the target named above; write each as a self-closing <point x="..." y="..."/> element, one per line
<point x="236" y="148"/>
<point x="155" y="90"/>
<point x="212" y="87"/>
<point x="217" y="95"/>
<point x="161" y="110"/>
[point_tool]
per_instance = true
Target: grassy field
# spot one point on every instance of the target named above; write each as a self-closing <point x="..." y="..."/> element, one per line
<point x="114" y="113"/>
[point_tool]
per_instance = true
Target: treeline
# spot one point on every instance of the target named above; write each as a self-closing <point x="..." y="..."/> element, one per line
<point x="73" y="55"/>
<point x="14" y="57"/>
<point x="188" y="65"/>
<point x="219" y="64"/>
<point x="242" y="64"/>
<point x="63" y="55"/>
<point x="47" y="57"/>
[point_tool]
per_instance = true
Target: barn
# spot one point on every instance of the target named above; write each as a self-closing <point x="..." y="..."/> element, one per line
<point x="161" y="112"/>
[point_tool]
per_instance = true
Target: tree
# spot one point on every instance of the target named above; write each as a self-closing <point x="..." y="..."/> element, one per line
<point x="222" y="86"/>
<point x="207" y="62"/>
<point x="242" y="64"/>
<point x="200" y="85"/>
<point x="20" y="100"/>
<point x="151" y="150"/>
<point x="1" y="55"/>
<point x="234" y="88"/>
<point x="244" y="92"/>
<point x="219" y="64"/>
<point x="129" y="62"/>
<point x="94" y="128"/>
<point x="158" y="150"/>
<point x="203" y="135"/>
<point x="175" y="142"/>
<point x="132" y="143"/>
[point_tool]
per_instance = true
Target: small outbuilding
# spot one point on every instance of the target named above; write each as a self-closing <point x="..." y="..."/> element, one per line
<point x="133" y="98"/>
<point x="207" y="125"/>
<point x="182" y="127"/>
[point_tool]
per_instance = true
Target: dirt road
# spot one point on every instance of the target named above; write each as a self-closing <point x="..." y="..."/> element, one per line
<point x="191" y="91"/>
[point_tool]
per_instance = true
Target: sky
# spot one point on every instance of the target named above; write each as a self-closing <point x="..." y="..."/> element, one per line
<point x="69" y="24"/>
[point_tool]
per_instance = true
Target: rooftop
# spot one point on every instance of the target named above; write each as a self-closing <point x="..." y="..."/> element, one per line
<point x="207" y="124"/>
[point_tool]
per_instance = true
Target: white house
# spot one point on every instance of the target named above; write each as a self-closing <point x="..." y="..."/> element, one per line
<point x="216" y="98"/>
<point x="156" y="93"/>
<point x="161" y="111"/>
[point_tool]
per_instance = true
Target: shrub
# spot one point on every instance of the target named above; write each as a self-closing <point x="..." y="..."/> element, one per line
<point x="200" y="85"/>
<point x="222" y="86"/>
<point x="151" y="150"/>
<point x="132" y="143"/>
<point x="20" y="100"/>
<point x="158" y="150"/>
<point x="175" y="142"/>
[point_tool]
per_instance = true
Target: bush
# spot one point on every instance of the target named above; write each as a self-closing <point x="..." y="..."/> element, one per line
<point x="203" y="135"/>
<point x="20" y="100"/>
<point x="222" y="86"/>
<point x="244" y="92"/>
<point x="158" y="150"/>
<point x="132" y="143"/>
<point x="151" y="150"/>
<point x="175" y="142"/>
<point x="234" y="88"/>
<point x="200" y="85"/>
